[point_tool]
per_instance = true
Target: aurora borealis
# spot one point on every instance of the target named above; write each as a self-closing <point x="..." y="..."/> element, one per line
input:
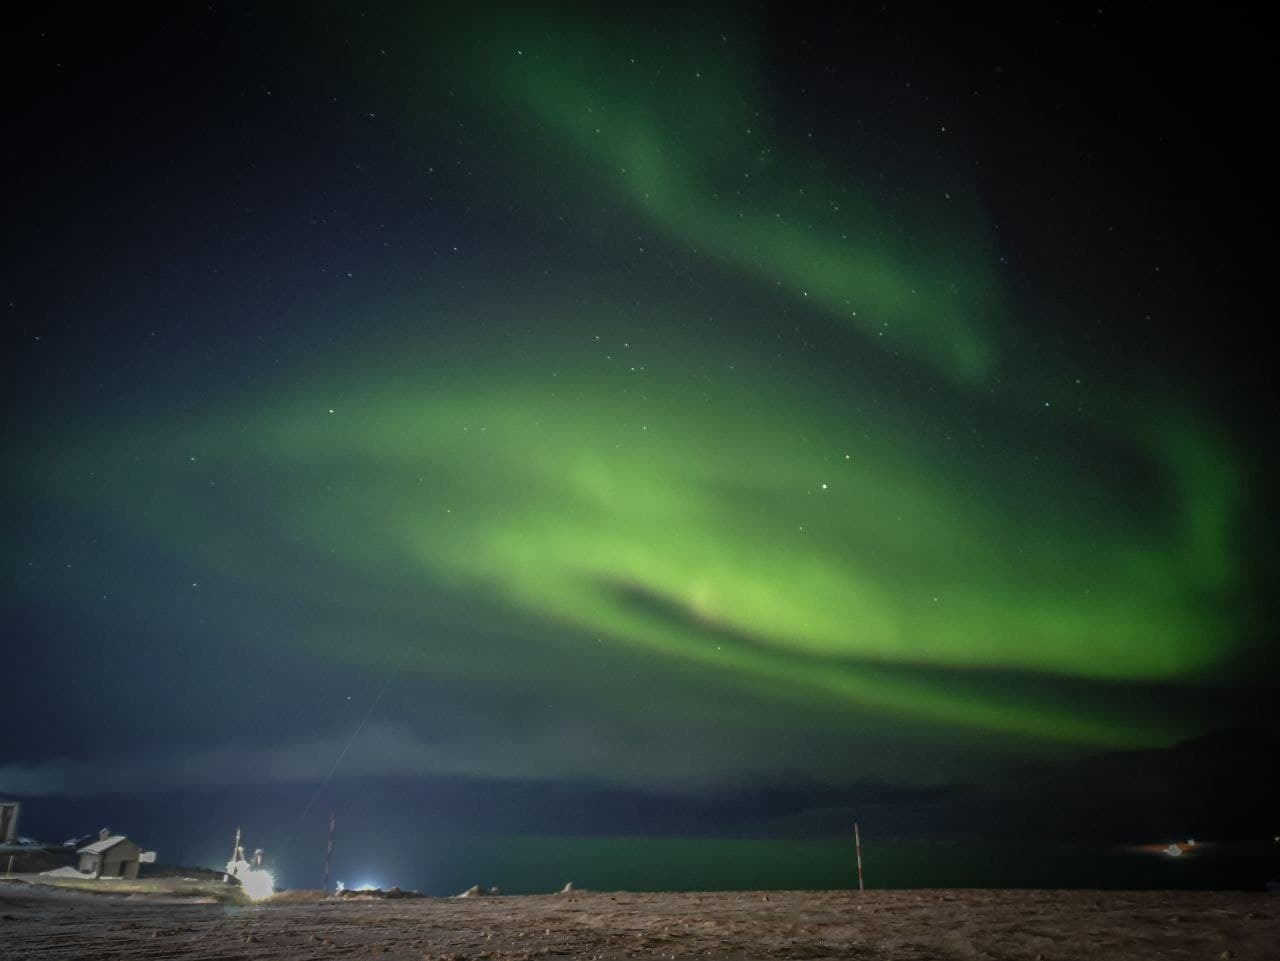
<point x="685" y="403"/>
<point x="772" y="545"/>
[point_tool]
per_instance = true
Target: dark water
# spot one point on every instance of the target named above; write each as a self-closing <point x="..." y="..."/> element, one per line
<point x="526" y="865"/>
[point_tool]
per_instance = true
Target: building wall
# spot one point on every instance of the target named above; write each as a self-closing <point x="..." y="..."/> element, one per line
<point x="120" y="861"/>
<point x="8" y="821"/>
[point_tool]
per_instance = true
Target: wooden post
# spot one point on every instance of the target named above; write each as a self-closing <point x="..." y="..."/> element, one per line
<point x="857" y="843"/>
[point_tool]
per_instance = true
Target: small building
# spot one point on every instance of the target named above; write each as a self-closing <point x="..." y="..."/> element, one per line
<point x="111" y="856"/>
<point x="9" y="821"/>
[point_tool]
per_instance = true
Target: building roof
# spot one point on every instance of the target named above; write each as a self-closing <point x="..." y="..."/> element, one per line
<point x="101" y="847"/>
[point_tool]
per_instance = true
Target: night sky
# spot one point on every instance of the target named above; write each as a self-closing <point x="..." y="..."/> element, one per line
<point x="570" y="421"/>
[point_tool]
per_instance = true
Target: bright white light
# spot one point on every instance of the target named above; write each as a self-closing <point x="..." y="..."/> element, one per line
<point x="367" y="886"/>
<point x="1173" y="851"/>
<point x="257" y="884"/>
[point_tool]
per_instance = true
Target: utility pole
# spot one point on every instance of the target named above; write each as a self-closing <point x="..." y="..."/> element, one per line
<point x="857" y="843"/>
<point x="328" y="854"/>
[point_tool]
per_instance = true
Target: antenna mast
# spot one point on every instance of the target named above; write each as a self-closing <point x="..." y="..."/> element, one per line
<point x="328" y="854"/>
<point x="235" y="855"/>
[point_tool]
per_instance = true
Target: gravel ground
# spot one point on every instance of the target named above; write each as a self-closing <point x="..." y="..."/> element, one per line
<point x="934" y="925"/>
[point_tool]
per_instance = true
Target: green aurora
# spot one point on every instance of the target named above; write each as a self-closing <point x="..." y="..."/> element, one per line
<point x="763" y="535"/>
<point x="783" y="524"/>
